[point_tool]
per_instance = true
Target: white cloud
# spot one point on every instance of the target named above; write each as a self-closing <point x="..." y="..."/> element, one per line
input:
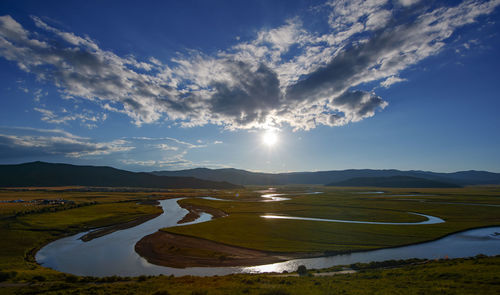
<point x="38" y="94"/>
<point x="138" y="162"/>
<point x="86" y="117"/>
<point x="185" y="143"/>
<point x="160" y="152"/>
<point x="174" y="162"/>
<point x="391" y="80"/>
<point x="167" y="138"/>
<point x="408" y="2"/>
<point x="22" y="142"/>
<point x="166" y="147"/>
<point x="347" y="15"/>
<point x="254" y="84"/>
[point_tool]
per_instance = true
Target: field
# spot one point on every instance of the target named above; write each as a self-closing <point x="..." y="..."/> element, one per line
<point x="244" y="227"/>
<point x="457" y="276"/>
<point x="24" y="231"/>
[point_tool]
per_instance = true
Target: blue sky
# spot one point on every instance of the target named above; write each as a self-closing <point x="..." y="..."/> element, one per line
<point x="169" y="85"/>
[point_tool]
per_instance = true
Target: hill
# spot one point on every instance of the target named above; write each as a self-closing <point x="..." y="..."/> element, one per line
<point x="393" y="181"/>
<point x="243" y="177"/>
<point x="232" y="175"/>
<point x="49" y="174"/>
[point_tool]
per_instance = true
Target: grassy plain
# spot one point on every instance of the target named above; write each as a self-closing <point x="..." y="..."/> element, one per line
<point x="23" y="231"/>
<point x="455" y="276"/>
<point x="244" y="227"/>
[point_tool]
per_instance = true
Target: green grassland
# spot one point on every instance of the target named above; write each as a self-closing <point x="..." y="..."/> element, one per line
<point x="479" y="275"/>
<point x="24" y="231"/>
<point x="244" y="226"/>
<point x="25" y="227"/>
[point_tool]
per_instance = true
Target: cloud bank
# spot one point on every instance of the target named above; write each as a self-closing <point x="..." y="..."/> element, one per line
<point x="26" y="143"/>
<point x="20" y="142"/>
<point x="285" y="76"/>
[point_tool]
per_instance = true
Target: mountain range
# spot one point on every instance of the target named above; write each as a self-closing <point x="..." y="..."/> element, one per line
<point x="52" y="174"/>
<point x="49" y="174"/>
<point x="393" y="181"/>
<point x="243" y="177"/>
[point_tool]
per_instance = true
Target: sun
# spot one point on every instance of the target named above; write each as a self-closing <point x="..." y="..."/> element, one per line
<point x="270" y="138"/>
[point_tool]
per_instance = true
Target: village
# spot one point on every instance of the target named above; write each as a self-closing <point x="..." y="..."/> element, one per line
<point x="41" y="201"/>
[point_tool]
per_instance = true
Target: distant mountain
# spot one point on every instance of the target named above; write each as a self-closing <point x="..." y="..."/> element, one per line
<point x="49" y="174"/>
<point x="231" y="175"/>
<point x="244" y="177"/>
<point x="393" y="181"/>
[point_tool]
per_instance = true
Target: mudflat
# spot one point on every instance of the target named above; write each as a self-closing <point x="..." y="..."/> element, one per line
<point x="179" y="251"/>
<point x="119" y="226"/>
<point x="111" y="229"/>
<point x="196" y="210"/>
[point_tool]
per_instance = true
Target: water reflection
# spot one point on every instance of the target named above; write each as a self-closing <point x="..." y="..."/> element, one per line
<point x="409" y="195"/>
<point x="430" y="219"/>
<point x="112" y="254"/>
<point x="267" y="197"/>
<point x="274" y="197"/>
<point x="277" y="198"/>
<point x="464" y="244"/>
<point x="217" y="199"/>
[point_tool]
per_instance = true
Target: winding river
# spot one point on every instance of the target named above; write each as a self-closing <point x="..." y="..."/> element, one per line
<point x="114" y="254"/>
<point x="273" y="197"/>
<point x="430" y="220"/>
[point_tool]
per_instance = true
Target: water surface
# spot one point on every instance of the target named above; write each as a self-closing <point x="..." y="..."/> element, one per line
<point x="112" y="254"/>
<point x="430" y="220"/>
<point x="464" y="244"/>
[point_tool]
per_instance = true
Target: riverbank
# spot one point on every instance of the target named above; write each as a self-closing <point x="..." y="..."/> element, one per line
<point x="100" y="232"/>
<point x="180" y="251"/>
<point x="196" y="210"/>
<point x="478" y="275"/>
<point x="244" y="229"/>
<point x="120" y="226"/>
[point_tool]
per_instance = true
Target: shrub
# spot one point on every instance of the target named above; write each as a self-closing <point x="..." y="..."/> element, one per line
<point x="275" y="292"/>
<point x="61" y="286"/>
<point x="71" y="279"/>
<point x="4" y="275"/>
<point x="302" y="270"/>
<point x="39" y="278"/>
<point x="88" y="279"/>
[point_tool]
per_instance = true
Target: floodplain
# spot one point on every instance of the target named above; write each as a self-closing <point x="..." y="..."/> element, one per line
<point x="25" y="229"/>
<point x="245" y="227"/>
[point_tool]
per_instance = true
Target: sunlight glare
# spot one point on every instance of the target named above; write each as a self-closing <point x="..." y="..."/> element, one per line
<point x="270" y="138"/>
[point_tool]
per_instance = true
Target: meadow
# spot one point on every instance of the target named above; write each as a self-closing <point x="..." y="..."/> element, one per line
<point x="24" y="231"/>
<point x="244" y="226"/>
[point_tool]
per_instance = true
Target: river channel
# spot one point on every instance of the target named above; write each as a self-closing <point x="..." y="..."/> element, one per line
<point x="114" y="254"/>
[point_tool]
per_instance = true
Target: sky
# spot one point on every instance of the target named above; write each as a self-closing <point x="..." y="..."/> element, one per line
<point x="261" y="85"/>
